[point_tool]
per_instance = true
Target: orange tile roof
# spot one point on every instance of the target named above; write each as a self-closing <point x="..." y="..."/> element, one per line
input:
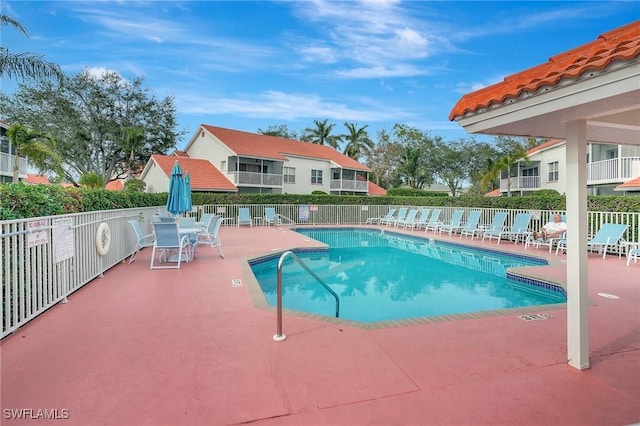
<point x="34" y="179"/>
<point x="271" y="147"/>
<point x="494" y="193"/>
<point x="630" y="184"/>
<point x="376" y="189"/>
<point x="178" y="153"/>
<point x="546" y="144"/>
<point x="619" y="44"/>
<point x="204" y="175"/>
<point x="114" y="185"/>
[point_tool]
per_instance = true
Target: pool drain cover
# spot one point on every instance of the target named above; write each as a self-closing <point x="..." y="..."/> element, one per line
<point x="236" y="283"/>
<point x="535" y="317"/>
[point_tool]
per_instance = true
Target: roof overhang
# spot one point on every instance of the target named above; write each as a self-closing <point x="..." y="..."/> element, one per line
<point x="609" y="101"/>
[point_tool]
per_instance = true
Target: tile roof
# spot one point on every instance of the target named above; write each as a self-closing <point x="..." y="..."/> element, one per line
<point x="204" y="175"/>
<point x="632" y="184"/>
<point x="114" y="185"/>
<point x="376" y="189"/>
<point x="178" y="153"/>
<point x="544" y="145"/>
<point x="271" y="147"/>
<point x="619" y="44"/>
<point x="34" y="179"/>
<point x="494" y="193"/>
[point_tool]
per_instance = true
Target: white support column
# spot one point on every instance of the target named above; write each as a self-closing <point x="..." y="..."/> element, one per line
<point x="577" y="283"/>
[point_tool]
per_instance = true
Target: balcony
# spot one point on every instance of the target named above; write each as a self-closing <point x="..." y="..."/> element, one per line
<point x="613" y="170"/>
<point x="521" y="183"/>
<point x="6" y="165"/>
<point x="349" y="185"/>
<point x="257" y="179"/>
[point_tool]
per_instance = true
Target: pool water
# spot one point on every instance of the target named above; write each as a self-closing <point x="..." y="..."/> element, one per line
<point x="386" y="276"/>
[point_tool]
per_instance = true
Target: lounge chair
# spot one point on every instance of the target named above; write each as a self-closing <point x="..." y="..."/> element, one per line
<point x="496" y="226"/>
<point x="434" y="221"/>
<point x="454" y="223"/>
<point x="551" y="242"/>
<point x="376" y="220"/>
<point x="472" y="226"/>
<point x="609" y="235"/>
<point x="271" y="217"/>
<point x="408" y="219"/>
<point x="244" y="217"/>
<point x="519" y="228"/>
<point x="385" y="219"/>
<point x="421" y="221"/>
<point x="210" y="235"/>
<point x="402" y="212"/>
<point x="142" y="239"/>
<point x="168" y="239"/>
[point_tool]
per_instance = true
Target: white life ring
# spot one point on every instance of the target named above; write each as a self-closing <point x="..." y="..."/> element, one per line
<point x="103" y="239"/>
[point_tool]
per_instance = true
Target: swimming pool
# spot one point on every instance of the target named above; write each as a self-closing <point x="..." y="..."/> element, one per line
<point x="383" y="276"/>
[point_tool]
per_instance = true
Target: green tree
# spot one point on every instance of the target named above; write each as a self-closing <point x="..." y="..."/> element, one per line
<point x="455" y="163"/>
<point x="358" y="142"/>
<point x="280" y="131"/>
<point x="418" y="163"/>
<point x="88" y="116"/>
<point x="35" y="146"/>
<point x="321" y="134"/>
<point x="24" y="65"/>
<point x="384" y="160"/>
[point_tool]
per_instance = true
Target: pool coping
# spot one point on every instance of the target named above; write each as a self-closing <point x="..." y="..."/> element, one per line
<point x="260" y="302"/>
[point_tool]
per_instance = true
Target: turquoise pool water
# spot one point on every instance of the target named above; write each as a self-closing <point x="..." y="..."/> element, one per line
<point x="386" y="276"/>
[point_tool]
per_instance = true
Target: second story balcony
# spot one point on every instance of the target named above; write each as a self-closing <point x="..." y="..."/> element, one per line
<point x="613" y="170"/>
<point x="256" y="179"/>
<point x="521" y="182"/>
<point x="349" y="185"/>
<point x="7" y="162"/>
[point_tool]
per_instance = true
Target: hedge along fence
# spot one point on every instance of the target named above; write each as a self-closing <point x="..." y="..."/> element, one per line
<point x="23" y="201"/>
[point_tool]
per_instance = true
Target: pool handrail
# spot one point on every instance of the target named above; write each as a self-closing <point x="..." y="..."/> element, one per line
<point x="279" y="337"/>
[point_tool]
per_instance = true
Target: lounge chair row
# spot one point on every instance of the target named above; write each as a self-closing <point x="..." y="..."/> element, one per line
<point x="608" y="236"/>
<point x="429" y="220"/>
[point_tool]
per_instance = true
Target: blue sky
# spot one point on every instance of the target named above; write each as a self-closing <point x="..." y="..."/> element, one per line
<point x="249" y="65"/>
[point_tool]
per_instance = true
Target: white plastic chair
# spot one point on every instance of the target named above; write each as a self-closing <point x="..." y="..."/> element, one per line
<point x="168" y="240"/>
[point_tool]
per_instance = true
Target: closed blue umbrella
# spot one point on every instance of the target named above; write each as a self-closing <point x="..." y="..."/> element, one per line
<point x="175" y="200"/>
<point x="187" y="192"/>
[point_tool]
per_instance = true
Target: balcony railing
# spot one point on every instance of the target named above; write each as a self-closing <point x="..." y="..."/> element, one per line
<point x="615" y="169"/>
<point x="349" y="185"/>
<point x="522" y="182"/>
<point x="263" y="179"/>
<point x="6" y="165"/>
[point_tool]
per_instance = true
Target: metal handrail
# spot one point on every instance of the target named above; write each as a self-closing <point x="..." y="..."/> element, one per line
<point x="279" y="337"/>
<point x="291" y="221"/>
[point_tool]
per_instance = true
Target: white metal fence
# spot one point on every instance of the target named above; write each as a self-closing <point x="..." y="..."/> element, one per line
<point x="45" y="259"/>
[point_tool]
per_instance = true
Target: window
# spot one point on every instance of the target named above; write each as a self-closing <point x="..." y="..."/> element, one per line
<point x="289" y="175"/>
<point x="553" y="172"/>
<point x="223" y="166"/>
<point x="611" y="154"/>
<point x="316" y="177"/>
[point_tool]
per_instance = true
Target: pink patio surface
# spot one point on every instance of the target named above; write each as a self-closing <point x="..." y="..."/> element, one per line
<point x="186" y="347"/>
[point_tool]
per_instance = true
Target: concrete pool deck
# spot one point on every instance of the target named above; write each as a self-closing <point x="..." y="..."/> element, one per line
<point x="188" y="347"/>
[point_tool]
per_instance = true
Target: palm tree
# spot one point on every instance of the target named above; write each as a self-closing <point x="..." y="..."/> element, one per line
<point x="503" y="163"/>
<point x="321" y="135"/>
<point x="32" y="144"/>
<point x="134" y="139"/>
<point x="24" y="65"/>
<point x="358" y="141"/>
